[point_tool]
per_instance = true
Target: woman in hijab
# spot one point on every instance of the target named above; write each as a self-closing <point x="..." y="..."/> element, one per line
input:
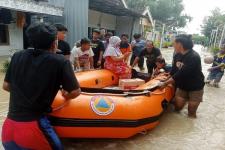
<point x="114" y="59"/>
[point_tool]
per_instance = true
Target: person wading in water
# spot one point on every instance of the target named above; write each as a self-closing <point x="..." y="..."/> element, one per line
<point x="33" y="79"/>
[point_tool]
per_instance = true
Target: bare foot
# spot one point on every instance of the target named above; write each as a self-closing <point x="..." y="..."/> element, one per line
<point x="192" y="116"/>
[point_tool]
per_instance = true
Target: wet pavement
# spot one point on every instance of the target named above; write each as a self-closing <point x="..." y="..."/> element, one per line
<point x="175" y="131"/>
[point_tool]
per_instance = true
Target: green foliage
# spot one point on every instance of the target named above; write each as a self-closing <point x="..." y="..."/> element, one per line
<point x="167" y="44"/>
<point x="157" y="43"/>
<point x="215" y="50"/>
<point x="168" y="12"/>
<point x="198" y="39"/>
<point x="5" y="66"/>
<point x="216" y="19"/>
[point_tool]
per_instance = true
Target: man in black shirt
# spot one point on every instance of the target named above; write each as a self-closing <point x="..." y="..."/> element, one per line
<point x="33" y="79"/>
<point x="63" y="46"/>
<point x="151" y="53"/>
<point x="98" y="49"/>
<point x="177" y="58"/>
<point x="189" y="78"/>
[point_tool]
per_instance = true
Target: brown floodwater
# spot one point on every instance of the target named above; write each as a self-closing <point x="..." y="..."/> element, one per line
<point x="175" y="131"/>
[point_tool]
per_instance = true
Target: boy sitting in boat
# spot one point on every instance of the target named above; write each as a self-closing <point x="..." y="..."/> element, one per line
<point x="161" y="67"/>
<point x="82" y="57"/>
<point x="217" y="69"/>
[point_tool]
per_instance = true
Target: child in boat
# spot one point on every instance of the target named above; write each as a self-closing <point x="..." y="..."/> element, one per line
<point x="82" y="57"/>
<point x="217" y="69"/>
<point x="114" y="59"/>
<point x="161" y="67"/>
<point x="125" y="47"/>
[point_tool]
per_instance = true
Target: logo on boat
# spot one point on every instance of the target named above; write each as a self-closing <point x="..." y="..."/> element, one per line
<point x="102" y="105"/>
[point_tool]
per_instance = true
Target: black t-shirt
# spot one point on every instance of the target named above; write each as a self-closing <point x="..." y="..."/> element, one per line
<point x="177" y="57"/>
<point x="97" y="47"/>
<point x="151" y="56"/>
<point x="64" y="48"/>
<point x="189" y="76"/>
<point x="35" y="76"/>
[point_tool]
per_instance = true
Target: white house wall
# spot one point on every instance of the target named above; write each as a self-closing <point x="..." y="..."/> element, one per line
<point x="126" y="24"/>
<point x="102" y="20"/>
<point x="16" y="40"/>
<point x="108" y="21"/>
<point x="93" y="18"/>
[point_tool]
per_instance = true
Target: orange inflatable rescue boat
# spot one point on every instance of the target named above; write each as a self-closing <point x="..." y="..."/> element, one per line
<point x="101" y="112"/>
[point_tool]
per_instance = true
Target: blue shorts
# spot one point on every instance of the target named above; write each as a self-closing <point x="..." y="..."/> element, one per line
<point x="217" y="76"/>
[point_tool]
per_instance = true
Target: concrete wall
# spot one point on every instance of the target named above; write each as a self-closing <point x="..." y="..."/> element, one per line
<point x="128" y="25"/>
<point x="101" y="20"/>
<point x="16" y="40"/>
<point x="121" y="25"/>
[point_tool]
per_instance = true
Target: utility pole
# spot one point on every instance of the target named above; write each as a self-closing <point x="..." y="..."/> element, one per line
<point x="162" y="36"/>
<point x="221" y="40"/>
<point x="211" y="38"/>
<point x="216" y="36"/>
<point x="153" y="31"/>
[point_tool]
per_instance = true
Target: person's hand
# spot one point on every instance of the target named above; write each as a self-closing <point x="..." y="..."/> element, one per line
<point x="127" y="54"/>
<point x="210" y="69"/>
<point x="99" y="63"/>
<point x="162" y="85"/>
<point x="130" y="67"/>
<point x="64" y="93"/>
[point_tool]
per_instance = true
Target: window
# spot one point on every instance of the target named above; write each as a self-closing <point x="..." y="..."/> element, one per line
<point x="4" y="35"/>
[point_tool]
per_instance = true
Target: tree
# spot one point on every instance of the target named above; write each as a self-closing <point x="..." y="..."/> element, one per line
<point x="210" y="23"/>
<point x="168" y="12"/>
<point x="199" y="39"/>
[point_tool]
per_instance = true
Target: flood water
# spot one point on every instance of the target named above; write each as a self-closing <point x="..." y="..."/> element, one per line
<point x="175" y="131"/>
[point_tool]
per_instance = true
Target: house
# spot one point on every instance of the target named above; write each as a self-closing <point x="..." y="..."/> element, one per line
<point x="15" y="16"/>
<point x="82" y="16"/>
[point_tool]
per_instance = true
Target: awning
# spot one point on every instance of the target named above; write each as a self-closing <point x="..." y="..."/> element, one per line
<point x="31" y="6"/>
<point x="112" y="7"/>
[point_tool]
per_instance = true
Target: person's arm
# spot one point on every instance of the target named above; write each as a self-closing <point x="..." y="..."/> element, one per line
<point x="120" y="58"/>
<point x="91" y="58"/>
<point x="77" y="63"/>
<point x="6" y="86"/>
<point x="73" y="94"/>
<point x="102" y="49"/>
<point x="91" y="62"/>
<point x="70" y="85"/>
<point x="8" y="77"/>
<point x="100" y="58"/>
<point x="167" y="82"/>
<point x="67" y="51"/>
<point x="222" y="65"/>
<point x="216" y="67"/>
<point x="136" y="60"/>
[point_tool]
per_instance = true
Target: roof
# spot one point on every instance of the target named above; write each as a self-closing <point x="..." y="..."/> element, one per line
<point x="147" y="12"/>
<point x="114" y="7"/>
<point x="32" y="6"/>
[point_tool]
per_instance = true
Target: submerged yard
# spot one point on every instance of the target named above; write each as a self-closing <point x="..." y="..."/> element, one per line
<point x="175" y="132"/>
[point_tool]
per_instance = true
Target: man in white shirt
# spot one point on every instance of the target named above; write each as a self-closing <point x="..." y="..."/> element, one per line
<point x="82" y="57"/>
